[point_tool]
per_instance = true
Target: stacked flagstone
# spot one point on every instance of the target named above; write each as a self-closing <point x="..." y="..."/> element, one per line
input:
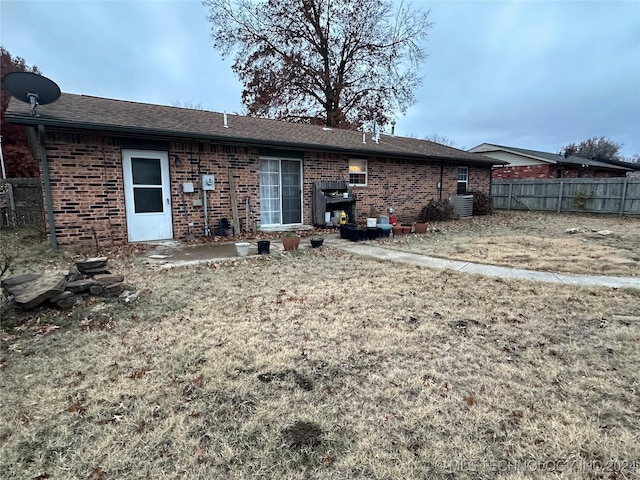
<point x="62" y="288"/>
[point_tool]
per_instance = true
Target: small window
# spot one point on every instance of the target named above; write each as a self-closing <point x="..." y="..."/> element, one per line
<point x="463" y="180"/>
<point x="357" y="172"/>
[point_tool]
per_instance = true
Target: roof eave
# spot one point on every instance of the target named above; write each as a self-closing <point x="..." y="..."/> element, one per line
<point x="126" y="130"/>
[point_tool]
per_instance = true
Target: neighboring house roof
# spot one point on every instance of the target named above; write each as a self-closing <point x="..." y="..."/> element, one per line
<point x="554" y="158"/>
<point x="141" y="119"/>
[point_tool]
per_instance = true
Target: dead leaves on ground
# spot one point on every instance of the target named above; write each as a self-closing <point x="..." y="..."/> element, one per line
<point x="138" y="373"/>
<point x="97" y="474"/>
<point x="470" y="400"/>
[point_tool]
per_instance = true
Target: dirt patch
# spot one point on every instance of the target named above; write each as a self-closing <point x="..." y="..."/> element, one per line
<point x="302" y="434"/>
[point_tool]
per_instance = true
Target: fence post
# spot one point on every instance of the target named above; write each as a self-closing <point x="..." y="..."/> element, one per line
<point x="510" y="192"/>
<point x="12" y="206"/>
<point x="560" y="197"/>
<point x="623" y="196"/>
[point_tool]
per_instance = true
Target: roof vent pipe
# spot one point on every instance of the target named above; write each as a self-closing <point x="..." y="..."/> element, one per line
<point x="364" y="138"/>
<point x="226" y="125"/>
<point x="393" y="128"/>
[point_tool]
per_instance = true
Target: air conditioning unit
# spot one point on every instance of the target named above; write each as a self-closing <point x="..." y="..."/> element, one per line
<point x="462" y="206"/>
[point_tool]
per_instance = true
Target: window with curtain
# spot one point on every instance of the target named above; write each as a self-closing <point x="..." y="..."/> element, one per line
<point x="358" y="172"/>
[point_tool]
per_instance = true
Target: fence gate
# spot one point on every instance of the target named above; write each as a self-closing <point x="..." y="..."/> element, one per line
<point x="21" y="203"/>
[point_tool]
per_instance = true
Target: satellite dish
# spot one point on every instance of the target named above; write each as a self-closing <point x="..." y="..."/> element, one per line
<point x="31" y="88"/>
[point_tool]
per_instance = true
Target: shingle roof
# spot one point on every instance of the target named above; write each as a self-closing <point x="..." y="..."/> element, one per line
<point x="125" y="117"/>
<point x="558" y="159"/>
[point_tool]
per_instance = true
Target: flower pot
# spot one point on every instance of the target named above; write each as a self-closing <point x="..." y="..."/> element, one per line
<point x="263" y="247"/>
<point x="406" y="229"/>
<point x="242" y="249"/>
<point x="316" y="242"/>
<point x="420" y="227"/>
<point x="397" y="230"/>
<point x="373" y="233"/>
<point x="290" y="243"/>
<point x="357" y="234"/>
<point x="344" y="231"/>
<point x="385" y="229"/>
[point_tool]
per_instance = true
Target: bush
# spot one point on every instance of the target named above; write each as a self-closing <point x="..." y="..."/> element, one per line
<point x="482" y="203"/>
<point x="436" y="211"/>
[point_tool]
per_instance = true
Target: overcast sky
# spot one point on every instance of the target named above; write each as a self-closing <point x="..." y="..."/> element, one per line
<point x="535" y="74"/>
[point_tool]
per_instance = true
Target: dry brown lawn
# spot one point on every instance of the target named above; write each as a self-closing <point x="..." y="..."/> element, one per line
<point x="536" y="241"/>
<point x="322" y="365"/>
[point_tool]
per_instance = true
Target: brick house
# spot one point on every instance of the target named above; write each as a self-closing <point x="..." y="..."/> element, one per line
<point x="523" y="163"/>
<point x="122" y="171"/>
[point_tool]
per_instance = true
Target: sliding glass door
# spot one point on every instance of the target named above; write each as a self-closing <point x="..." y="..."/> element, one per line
<point x="280" y="192"/>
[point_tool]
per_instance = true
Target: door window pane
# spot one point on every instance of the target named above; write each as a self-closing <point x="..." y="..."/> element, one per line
<point x="148" y="200"/>
<point x="146" y="171"/>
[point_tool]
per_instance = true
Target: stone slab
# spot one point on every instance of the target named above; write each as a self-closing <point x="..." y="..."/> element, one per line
<point x="80" y="285"/>
<point x="108" y="279"/>
<point x="37" y="291"/>
<point x="113" y="289"/>
<point x="92" y="263"/>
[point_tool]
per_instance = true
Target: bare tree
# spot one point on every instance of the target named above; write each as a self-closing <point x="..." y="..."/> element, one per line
<point x="441" y="139"/>
<point x="190" y="105"/>
<point x="337" y="62"/>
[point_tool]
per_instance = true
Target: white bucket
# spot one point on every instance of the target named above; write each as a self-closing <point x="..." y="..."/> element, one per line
<point x="242" y="249"/>
<point x="327" y="217"/>
<point x="371" y="222"/>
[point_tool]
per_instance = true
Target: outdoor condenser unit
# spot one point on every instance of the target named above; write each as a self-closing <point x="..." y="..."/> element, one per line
<point x="462" y="206"/>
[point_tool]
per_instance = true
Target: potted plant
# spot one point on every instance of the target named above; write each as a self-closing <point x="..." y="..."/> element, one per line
<point x="290" y="241"/>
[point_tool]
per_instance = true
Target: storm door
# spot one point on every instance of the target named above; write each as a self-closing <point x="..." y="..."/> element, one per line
<point x="147" y="195"/>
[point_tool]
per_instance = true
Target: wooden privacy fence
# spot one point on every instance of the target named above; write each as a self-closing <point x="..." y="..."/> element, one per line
<point x="21" y="203"/>
<point x="593" y="195"/>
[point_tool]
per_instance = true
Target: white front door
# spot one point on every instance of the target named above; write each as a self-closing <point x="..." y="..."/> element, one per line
<point x="146" y="194"/>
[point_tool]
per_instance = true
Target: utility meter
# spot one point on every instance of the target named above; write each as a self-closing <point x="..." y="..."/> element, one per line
<point x="208" y="182"/>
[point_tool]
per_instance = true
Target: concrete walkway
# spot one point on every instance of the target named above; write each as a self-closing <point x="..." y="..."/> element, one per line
<point x="382" y="253"/>
<point x="174" y="254"/>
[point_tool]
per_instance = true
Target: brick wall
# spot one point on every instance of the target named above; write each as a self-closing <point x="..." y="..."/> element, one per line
<point x="88" y="190"/>
<point x="527" y="171"/>
<point x="578" y="172"/>
<point x="551" y="171"/>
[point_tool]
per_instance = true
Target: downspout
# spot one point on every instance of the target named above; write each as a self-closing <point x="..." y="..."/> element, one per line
<point x="440" y="182"/>
<point x="4" y="172"/>
<point x="47" y="187"/>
